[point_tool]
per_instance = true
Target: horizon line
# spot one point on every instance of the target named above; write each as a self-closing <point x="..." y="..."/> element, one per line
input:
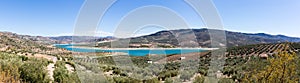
<point x="72" y="34"/>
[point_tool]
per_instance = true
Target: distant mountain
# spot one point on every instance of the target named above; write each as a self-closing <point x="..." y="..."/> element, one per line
<point x="79" y="39"/>
<point x="36" y="39"/>
<point x="290" y="39"/>
<point x="57" y="40"/>
<point x="201" y="38"/>
<point x="166" y="39"/>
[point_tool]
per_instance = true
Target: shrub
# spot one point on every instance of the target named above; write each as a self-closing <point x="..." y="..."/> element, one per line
<point x="169" y="80"/>
<point x="225" y="80"/>
<point x="199" y="79"/>
<point x="34" y="72"/>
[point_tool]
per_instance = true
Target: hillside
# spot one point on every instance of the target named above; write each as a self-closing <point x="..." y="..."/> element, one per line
<point x="79" y="39"/>
<point x="248" y="60"/>
<point x="57" y="39"/>
<point x="168" y="39"/>
<point x="24" y="44"/>
<point x="239" y="61"/>
<point x="26" y="58"/>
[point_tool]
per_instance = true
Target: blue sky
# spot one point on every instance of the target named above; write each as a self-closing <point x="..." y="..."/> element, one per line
<point x="57" y="17"/>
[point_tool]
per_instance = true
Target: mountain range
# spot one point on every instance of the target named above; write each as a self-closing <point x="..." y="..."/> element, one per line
<point x="201" y="37"/>
<point x="165" y="38"/>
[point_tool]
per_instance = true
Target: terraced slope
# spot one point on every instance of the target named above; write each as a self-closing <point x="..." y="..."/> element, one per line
<point x="254" y="58"/>
<point x="262" y="49"/>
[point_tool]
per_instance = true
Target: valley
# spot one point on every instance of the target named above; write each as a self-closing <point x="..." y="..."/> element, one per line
<point x="41" y="61"/>
<point x="149" y="41"/>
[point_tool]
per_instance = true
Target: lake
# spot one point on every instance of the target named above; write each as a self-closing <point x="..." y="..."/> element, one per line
<point x="133" y="51"/>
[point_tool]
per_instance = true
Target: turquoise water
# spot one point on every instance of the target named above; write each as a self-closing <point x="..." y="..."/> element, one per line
<point x="131" y="52"/>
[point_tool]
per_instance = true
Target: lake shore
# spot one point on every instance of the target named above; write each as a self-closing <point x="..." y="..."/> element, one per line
<point x="134" y="51"/>
<point x="85" y="47"/>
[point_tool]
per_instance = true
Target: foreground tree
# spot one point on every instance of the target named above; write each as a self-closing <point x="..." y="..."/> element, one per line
<point x="281" y="69"/>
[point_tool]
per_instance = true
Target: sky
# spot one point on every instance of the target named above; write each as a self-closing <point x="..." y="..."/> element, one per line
<point x="58" y="17"/>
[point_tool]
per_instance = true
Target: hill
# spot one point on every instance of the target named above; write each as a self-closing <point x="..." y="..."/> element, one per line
<point x="32" y="57"/>
<point x="250" y="59"/>
<point x="239" y="61"/>
<point x="287" y="38"/>
<point x="27" y="45"/>
<point x="25" y="58"/>
<point x="168" y="39"/>
<point x="79" y="39"/>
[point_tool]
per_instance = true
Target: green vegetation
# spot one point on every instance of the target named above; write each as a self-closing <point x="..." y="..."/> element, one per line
<point x="34" y="71"/>
<point x="199" y="79"/>
<point x="62" y="75"/>
<point x="254" y="68"/>
<point x="251" y="63"/>
<point x="146" y="72"/>
<point x="15" y="68"/>
<point x="282" y="69"/>
<point x="239" y="62"/>
<point x="225" y="80"/>
<point x="20" y="69"/>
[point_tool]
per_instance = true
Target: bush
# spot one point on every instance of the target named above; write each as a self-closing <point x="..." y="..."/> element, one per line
<point x="23" y="69"/>
<point x="169" y="80"/>
<point x="34" y="72"/>
<point x="186" y="75"/>
<point x="199" y="79"/>
<point x="153" y="80"/>
<point x="62" y="75"/>
<point x="225" y="80"/>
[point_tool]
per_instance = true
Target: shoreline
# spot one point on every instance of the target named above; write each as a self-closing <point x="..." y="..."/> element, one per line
<point x="83" y="47"/>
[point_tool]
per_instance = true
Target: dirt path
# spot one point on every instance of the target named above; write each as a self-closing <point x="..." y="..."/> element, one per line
<point x="50" y="69"/>
<point x="51" y="66"/>
<point x="69" y="68"/>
